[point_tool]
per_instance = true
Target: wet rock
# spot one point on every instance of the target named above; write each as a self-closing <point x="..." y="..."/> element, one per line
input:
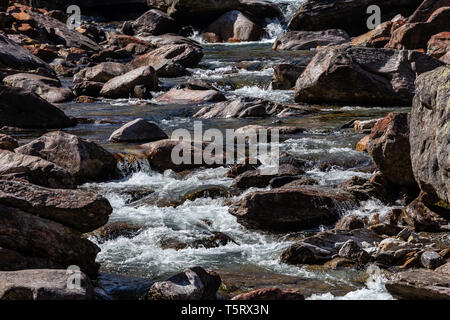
<point x="305" y="40"/>
<point x="286" y="75"/>
<point x="154" y="22"/>
<point x="35" y="170"/>
<point x="17" y="58"/>
<point x="170" y="60"/>
<point x="47" y="88"/>
<point x="233" y="26"/>
<point x="188" y="96"/>
<point x="244" y="166"/>
<point x="289" y="209"/>
<point x="16" y="102"/>
<point x="51" y="30"/>
<point x="385" y="229"/>
<point x="258" y="178"/>
<point x="159" y="155"/>
<point x="420" y="285"/>
<point x="118" y="287"/>
<point x="431" y="259"/>
<point x="213" y="192"/>
<point x="81" y="210"/>
<point x="138" y="130"/>
<point x="241" y="108"/>
<point x="88" y="88"/>
<point x="269" y="294"/>
<point x="347" y="15"/>
<point x="192" y="284"/>
<point x="439" y="45"/>
<point x="350" y="222"/>
<point x="122" y="86"/>
<point x="324" y="246"/>
<point x="83" y="159"/>
<point x="8" y="143"/>
<point x="421" y="216"/>
<point x="377" y="187"/>
<point x="215" y="240"/>
<point x="389" y="149"/>
<point x="380" y="76"/>
<point x="114" y="230"/>
<point x="353" y="251"/>
<point x="429" y="138"/>
<point x="37" y="237"/>
<point x="416" y="35"/>
<point x="43" y="285"/>
<point x="102" y="72"/>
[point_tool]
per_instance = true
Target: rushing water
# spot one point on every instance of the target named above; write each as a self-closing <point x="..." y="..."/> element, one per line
<point x="253" y="258"/>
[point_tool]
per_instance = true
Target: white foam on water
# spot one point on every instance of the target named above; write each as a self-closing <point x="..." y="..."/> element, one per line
<point x="282" y="96"/>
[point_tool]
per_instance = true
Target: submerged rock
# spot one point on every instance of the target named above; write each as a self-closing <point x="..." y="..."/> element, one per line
<point x="44" y="285"/>
<point x="289" y="209"/>
<point x="192" y="284"/>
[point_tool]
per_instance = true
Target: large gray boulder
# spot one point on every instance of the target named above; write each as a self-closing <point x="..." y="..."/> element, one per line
<point x="82" y="210"/>
<point x="138" y="130"/>
<point x="430" y="133"/>
<point x="83" y="159"/>
<point x="365" y="76"/>
<point x="23" y="109"/>
<point x="35" y="170"/>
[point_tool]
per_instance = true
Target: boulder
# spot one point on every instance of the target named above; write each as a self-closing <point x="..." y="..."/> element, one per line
<point x="82" y="210"/>
<point x="389" y="149"/>
<point x="192" y="284"/>
<point x="200" y="14"/>
<point x="23" y="109"/>
<point x="37" y="237"/>
<point x="44" y="284"/>
<point x="154" y="22"/>
<point x="286" y="75"/>
<point x="306" y="40"/>
<point x="269" y="294"/>
<point x="426" y="9"/>
<point x="35" y="170"/>
<point x="102" y="72"/>
<point x="8" y="143"/>
<point x="47" y="88"/>
<point x="188" y="96"/>
<point x="429" y="138"/>
<point x="351" y="16"/>
<point x="420" y="215"/>
<point x="416" y="35"/>
<point x="83" y="159"/>
<point x="325" y="245"/>
<point x="88" y="88"/>
<point x="420" y="285"/>
<point x="159" y="155"/>
<point x="138" y="130"/>
<point x="15" y="57"/>
<point x="289" y="209"/>
<point x="123" y="86"/>
<point x="257" y="179"/>
<point x="439" y="45"/>
<point x="51" y="30"/>
<point x="353" y="251"/>
<point x="431" y="259"/>
<point x="170" y="60"/>
<point x="233" y="26"/>
<point x="364" y="76"/>
<point x="350" y="222"/>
